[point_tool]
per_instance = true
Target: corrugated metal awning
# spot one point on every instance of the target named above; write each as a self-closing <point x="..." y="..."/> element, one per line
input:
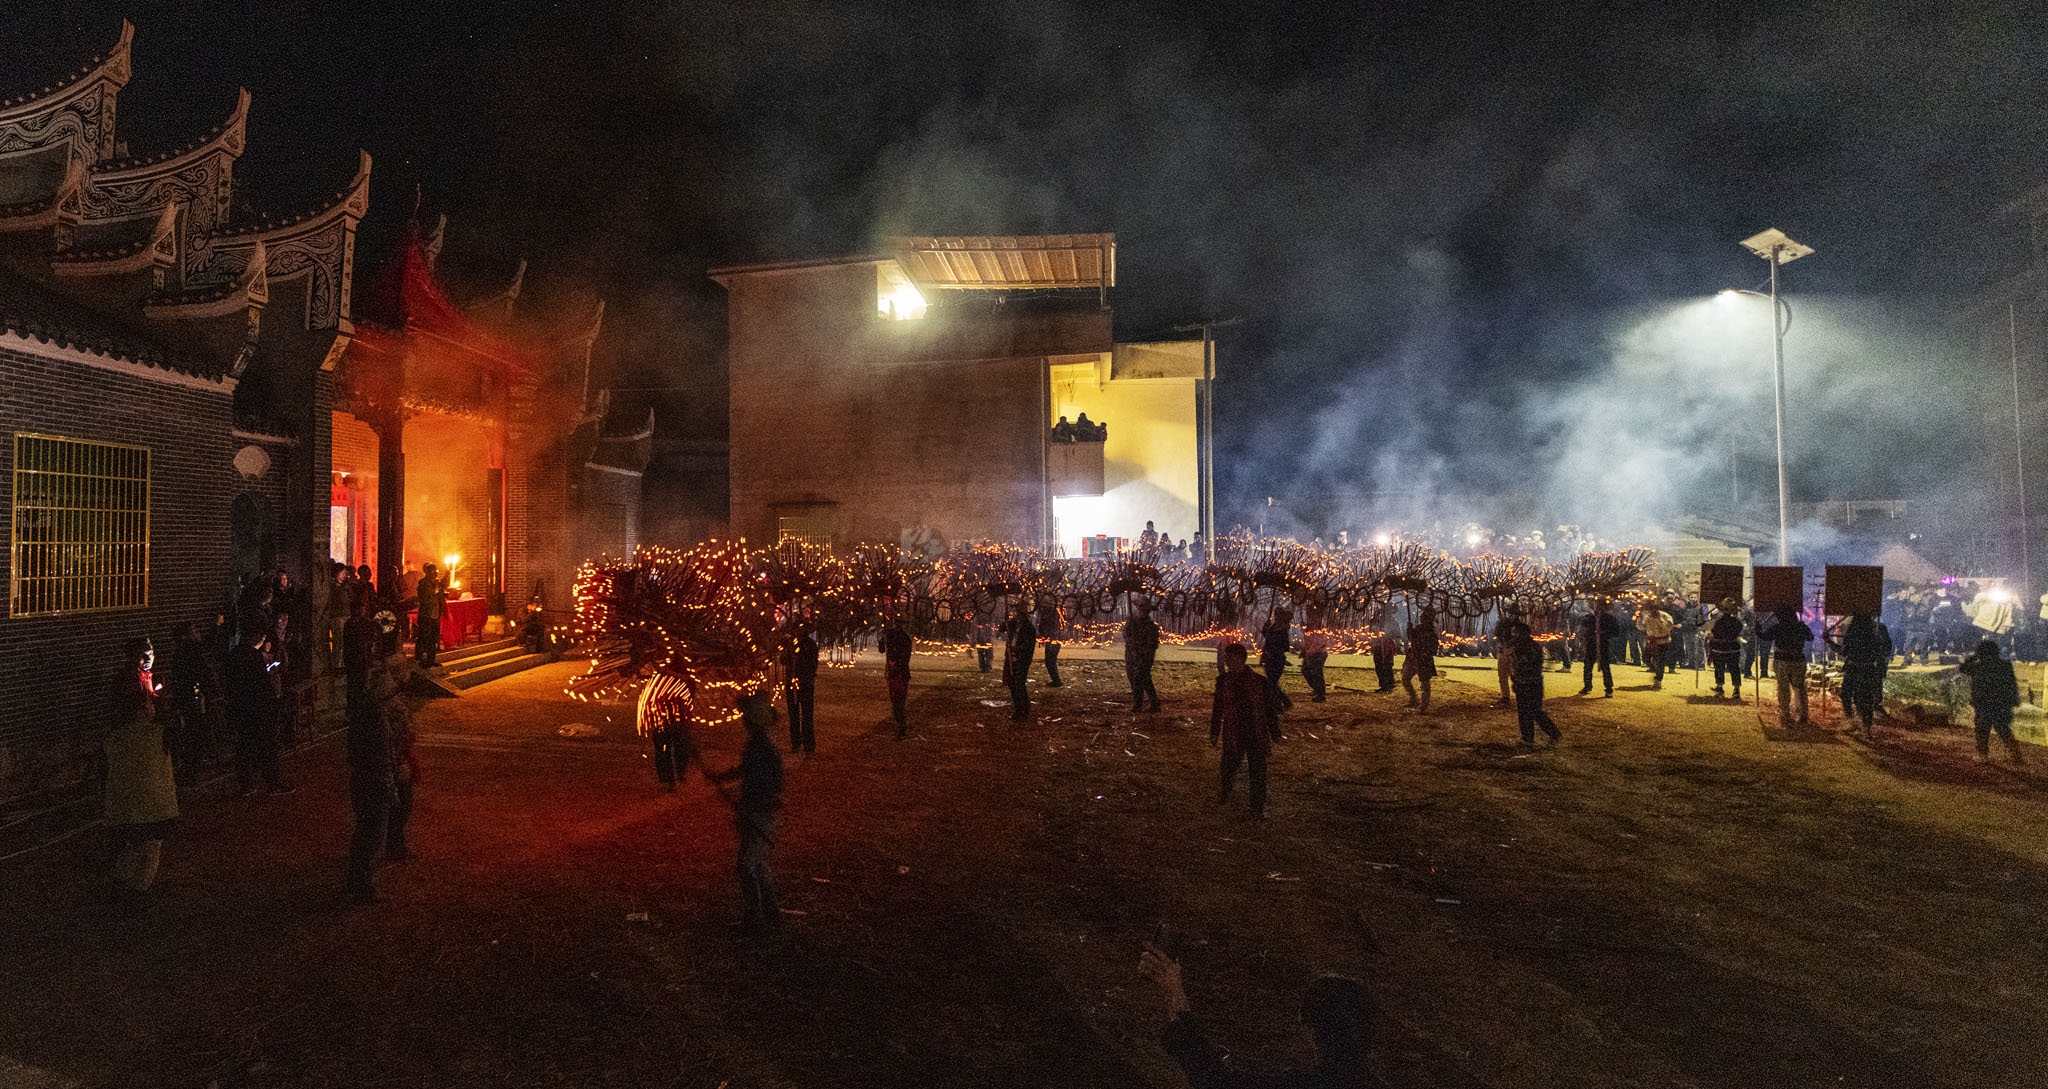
<point x="989" y="262"/>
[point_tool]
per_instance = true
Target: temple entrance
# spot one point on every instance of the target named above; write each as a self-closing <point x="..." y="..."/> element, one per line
<point x="454" y="500"/>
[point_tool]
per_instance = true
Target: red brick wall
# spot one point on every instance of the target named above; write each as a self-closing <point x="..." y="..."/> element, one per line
<point x="53" y="669"/>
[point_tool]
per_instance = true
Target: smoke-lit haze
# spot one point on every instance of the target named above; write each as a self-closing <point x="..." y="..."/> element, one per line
<point x="1472" y="258"/>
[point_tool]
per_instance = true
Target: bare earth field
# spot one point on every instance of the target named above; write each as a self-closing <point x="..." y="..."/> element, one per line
<point x="1673" y="896"/>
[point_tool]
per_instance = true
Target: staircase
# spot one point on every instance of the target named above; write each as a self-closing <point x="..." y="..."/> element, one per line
<point x="472" y="665"/>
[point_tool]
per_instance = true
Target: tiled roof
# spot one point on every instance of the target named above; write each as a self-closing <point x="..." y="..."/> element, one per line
<point x="41" y="313"/>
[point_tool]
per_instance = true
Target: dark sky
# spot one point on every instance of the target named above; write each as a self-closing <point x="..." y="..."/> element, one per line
<point x="1435" y="225"/>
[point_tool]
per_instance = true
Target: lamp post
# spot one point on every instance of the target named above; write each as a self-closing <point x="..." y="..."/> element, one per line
<point x="1773" y="246"/>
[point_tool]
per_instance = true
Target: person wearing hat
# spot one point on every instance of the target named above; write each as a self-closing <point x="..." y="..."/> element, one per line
<point x="1141" y="647"/>
<point x="1724" y="646"/>
<point x="141" y="800"/>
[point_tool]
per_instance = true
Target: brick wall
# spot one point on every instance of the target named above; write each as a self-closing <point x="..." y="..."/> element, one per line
<point x="53" y="670"/>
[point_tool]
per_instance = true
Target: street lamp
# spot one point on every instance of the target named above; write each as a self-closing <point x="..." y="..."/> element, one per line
<point x="1773" y="246"/>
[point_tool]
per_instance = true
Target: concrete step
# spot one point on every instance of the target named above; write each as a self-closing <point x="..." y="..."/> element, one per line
<point x="517" y="662"/>
<point x="453" y="657"/>
<point x="489" y="657"/>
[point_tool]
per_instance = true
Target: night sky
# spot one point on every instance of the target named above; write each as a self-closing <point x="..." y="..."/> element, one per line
<point x="1450" y="238"/>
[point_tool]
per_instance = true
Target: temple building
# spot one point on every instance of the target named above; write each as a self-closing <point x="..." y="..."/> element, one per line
<point x="187" y="402"/>
<point x="508" y="472"/>
<point x="164" y="373"/>
<point x="913" y="396"/>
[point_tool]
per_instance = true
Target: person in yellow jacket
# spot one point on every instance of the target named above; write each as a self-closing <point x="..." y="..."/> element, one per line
<point x="141" y="791"/>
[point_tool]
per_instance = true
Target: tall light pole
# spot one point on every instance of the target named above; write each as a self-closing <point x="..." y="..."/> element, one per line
<point x="1773" y="246"/>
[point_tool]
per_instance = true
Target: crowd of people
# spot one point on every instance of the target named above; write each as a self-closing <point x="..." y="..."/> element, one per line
<point x="1081" y="430"/>
<point x="245" y="682"/>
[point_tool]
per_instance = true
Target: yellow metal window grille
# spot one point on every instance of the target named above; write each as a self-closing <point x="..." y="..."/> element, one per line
<point x="81" y="526"/>
<point x="807" y="528"/>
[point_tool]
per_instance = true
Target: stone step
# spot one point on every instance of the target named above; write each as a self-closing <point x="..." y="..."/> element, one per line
<point x="518" y="662"/>
<point x="453" y="656"/>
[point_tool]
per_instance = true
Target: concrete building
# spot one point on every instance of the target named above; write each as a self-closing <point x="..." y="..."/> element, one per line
<point x="911" y="396"/>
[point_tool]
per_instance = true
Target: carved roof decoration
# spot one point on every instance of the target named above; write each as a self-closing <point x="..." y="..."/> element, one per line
<point x="248" y="288"/>
<point x="230" y="136"/>
<point x="156" y="246"/>
<point x="79" y="110"/>
<point x="45" y="213"/>
<point x="319" y="247"/>
<point x="164" y="217"/>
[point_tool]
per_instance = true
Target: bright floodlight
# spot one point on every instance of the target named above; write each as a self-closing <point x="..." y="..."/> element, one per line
<point x="1383" y="539"/>
<point x="1774" y="245"/>
<point x="1471" y="538"/>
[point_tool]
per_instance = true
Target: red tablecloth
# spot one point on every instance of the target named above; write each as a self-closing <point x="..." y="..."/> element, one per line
<point x="462" y="620"/>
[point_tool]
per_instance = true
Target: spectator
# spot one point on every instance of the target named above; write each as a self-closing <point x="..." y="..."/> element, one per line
<point x="253" y="688"/>
<point x="1788" y="636"/>
<point x="1063" y="432"/>
<point x="896" y="647"/>
<point x="1525" y="660"/>
<point x="379" y="760"/>
<point x="1023" y="641"/>
<point x="1600" y="638"/>
<point x="1384" y="647"/>
<point x="1315" y="652"/>
<point x="431" y="596"/>
<point x="1241" y="720"/>
<point x="1994" y="693"/>
<point x="1655" y="627"/>
<point x="757" y="813"/>
<point x="1724" y="647"/>
<point x="1866" y="648"/>
<point x="800" y="682"/>
<point x="1141" y="648"/>
<point x="141" y="791"/>
<point x="1338" y="1010"/>
<point x="1050" y="635"/>
<point x="1421" y="660"/>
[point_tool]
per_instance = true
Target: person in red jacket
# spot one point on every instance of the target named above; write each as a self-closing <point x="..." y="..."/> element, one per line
<point x="1241" y="720"/>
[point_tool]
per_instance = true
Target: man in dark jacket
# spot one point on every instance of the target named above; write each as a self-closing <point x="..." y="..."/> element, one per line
<point x="1724" y="647"/>
<point x="1384" y="647"/>
<point x="252" y="704"/>
<point x="1050" y="635"/>
<point x="1141" y="646"/>
<point x="1866" y="647"/>
<point x="1600" y="638"/>
<point x="1273" y="645"/>
<point x="431" y="597"/>
<point x="1994" y="692"/>
<point x="758" y="811"/>
<point x="1525" y="665"/>
<point x="896" y="648"/>
<point x="1023" y="642"/>
<point x="1241" y="720"/>
<point x="800" y="682"/>
<point x="374" y="715"/>
<point x="1788" y="636"/>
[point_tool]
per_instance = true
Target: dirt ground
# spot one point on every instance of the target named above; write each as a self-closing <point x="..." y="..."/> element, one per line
<point x="1675" y="895"/>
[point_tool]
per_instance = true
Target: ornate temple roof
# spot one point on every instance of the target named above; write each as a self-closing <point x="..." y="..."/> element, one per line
<point x="76" y="217"/>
